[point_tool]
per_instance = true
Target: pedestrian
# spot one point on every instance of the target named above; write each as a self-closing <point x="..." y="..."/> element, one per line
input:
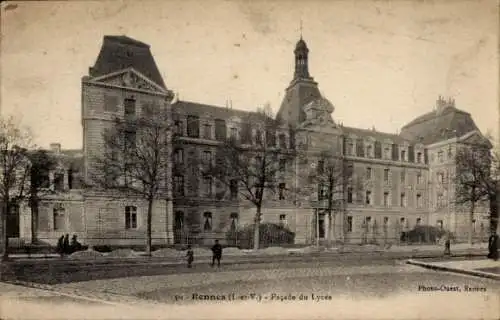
<point x="66" y="247"/>
<point x="447" y="245"/>
<point x="493" y="246"/>
<point x="60" y="246"/>
<point x="190" y="256"/>
<point x="217" y="253"/>
<point x="75" y="245"/>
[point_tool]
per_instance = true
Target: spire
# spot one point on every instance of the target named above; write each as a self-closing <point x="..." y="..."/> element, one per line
<point x="301" y="58"/>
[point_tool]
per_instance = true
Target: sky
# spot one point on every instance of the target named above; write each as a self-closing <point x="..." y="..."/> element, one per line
<point x="381" y="63"/>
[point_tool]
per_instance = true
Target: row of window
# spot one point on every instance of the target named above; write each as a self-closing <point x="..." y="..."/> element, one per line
<point x="386" y="199"/>
<point x="367" y="222"/>
<point x="179" y="220"/>
<point x="207" y="187"/>
<point x="245" y="134"/>
<point x="57" y="180"/>
<point x="359" y="148"/>
<point x="111" y="102"/>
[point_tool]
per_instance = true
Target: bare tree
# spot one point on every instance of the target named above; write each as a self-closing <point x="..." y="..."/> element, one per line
<point x="250" y="169"/>
<point x="14" y="145"/>
<point x="474" y="180"/>
<point x="333" y="176"/>
<point x="135" y="159"/>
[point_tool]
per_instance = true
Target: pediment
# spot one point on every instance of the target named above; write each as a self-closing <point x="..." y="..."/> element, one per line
<point x="476" y="138"/>
<point x="129" y="78"/>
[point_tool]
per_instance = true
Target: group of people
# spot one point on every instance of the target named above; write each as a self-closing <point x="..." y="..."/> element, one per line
<point x="216" y="254"/>
<point x="64" y="247"/>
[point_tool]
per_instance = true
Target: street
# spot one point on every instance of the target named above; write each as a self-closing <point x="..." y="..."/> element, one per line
<point x="350" y="286"/>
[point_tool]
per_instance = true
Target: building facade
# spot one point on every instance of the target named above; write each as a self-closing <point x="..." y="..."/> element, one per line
<point x="401" y="180"/>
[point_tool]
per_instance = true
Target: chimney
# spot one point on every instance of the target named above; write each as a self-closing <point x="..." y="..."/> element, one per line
<point x="55" y="147"/>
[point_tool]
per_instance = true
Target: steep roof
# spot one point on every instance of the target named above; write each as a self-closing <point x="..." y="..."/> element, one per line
<point x="439" y="125"/>
<point x="121" y="52"/>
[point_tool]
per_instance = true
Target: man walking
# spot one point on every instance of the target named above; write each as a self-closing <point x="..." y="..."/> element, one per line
<point x="217" y="253"/>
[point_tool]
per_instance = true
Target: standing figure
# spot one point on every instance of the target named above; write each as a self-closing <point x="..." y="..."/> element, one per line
<point x="66" y="247"/>
<point x="447" y="245"/>
<point x="217" y="253"/>
<point x="60" y="246"/>
<point x="493" y="246"/>
<point x="190" y="256"/>
<point x="75" y="245"/>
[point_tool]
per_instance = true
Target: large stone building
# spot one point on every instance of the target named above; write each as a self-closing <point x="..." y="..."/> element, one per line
<point x="406" y="177"/>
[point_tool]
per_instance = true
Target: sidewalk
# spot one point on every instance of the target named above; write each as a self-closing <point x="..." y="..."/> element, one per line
<point x="483" y="268"/>
<point x="279" y="252"/>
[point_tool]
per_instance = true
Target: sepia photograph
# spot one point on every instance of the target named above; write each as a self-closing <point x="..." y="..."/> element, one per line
<point x="235" y="159"/>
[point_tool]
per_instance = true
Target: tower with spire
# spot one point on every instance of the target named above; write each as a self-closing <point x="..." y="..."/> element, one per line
<point x="302" y="89"/>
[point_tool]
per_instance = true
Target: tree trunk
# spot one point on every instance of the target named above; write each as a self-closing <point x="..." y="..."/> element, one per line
<point x="148" y="230"/>
<point x="471" y="217"/>
<point x="5" y="238"/>
<point x="34" y="222"/>
<point x="256" y="230"/>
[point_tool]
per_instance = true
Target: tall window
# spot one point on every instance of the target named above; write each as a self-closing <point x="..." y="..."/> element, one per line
<point x="322" y="192"/>
<point x="368" y="173"/>
<point x="419" y="157"/>
<point x="419" y="200"/>
<point x="282" y="188"/>
<point x="179" y="220"/>
<point x="282" y="165"/>
<point x="440" y="177"/>
<point x="403" y="177"/>
<point x="207" y="157"/>
<point x="403" y="199"/>
<point x="207" y="223"/>
<point x="59" y="181"/>
<point x="386" y="199"/>
<point x="321" y="166"/>
<point x="349" y="195"/>
<point x="129" y="105"/>
<point x="234" y="221"/>
<point x="59" y="218"/>
<point x="282" y="140"/>
<point x="441" y="156"/>
<point x="350" y="148"/>
<point x="440" y="200"/>
<point x="130" y="138"/>
<point x="179" y="156"/>
<point x="258" y="137"/>
<point x="193" y="126"/>
<point x="419" y="178"/>
<point x="233" y="187"/>
<point x="207" y="131"/>
<point x="130" y="217"/>
<point x="386" y="175"/>
<point x="368" y="197"/>
<point x="403" y="155"/>
<point x="207" y="186"/>
<point x="234" y="133"/>
<point x="349" y="223"/>
<point x="179" y="185"/>
<point x="220" y="130"/>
